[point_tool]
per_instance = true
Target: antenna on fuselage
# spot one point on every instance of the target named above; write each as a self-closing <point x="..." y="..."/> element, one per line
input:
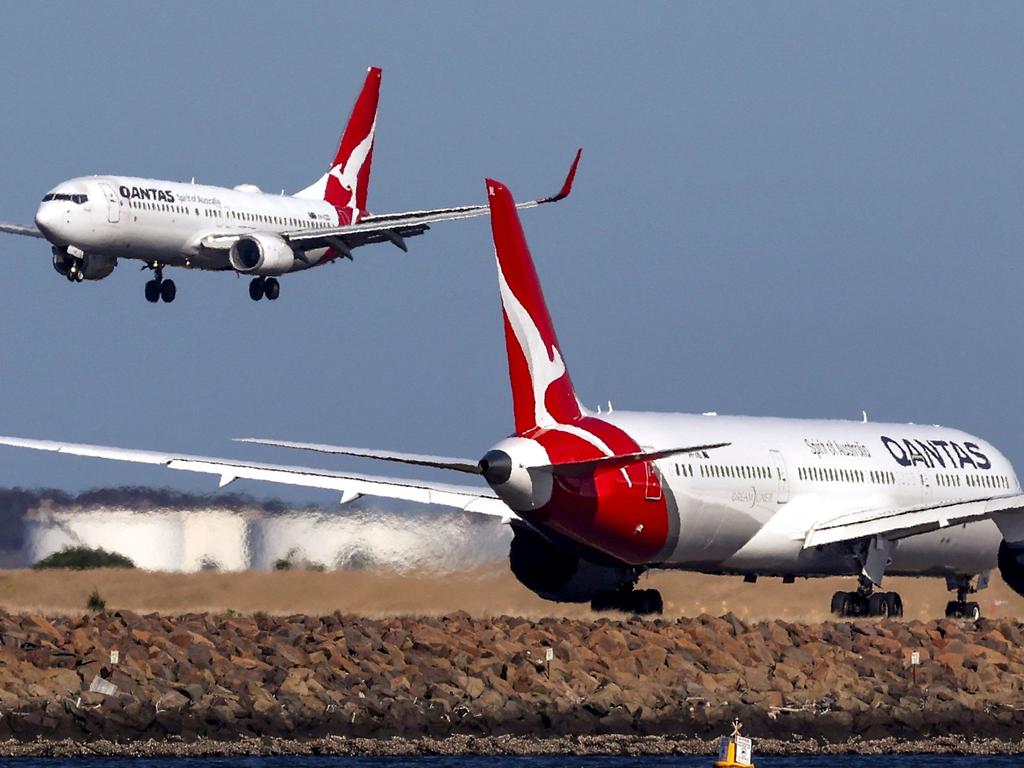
<point x="865" y="415"/>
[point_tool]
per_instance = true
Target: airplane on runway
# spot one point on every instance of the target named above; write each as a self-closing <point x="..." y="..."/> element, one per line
<point x="93" y="221"/>
<point x="595" y="500"/>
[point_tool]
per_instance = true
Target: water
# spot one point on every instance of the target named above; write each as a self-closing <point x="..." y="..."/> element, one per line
<point x="916" y="761"/>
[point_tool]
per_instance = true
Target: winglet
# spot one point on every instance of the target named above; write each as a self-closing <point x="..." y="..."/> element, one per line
<point x="567" y="184"/>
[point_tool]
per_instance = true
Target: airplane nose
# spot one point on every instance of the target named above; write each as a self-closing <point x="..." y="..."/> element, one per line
<point x="48" y="221"/>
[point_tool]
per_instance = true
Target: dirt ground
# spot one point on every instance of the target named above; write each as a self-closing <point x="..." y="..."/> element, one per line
<point x="483" y="592"/>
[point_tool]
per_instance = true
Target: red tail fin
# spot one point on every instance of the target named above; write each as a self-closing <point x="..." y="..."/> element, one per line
<point x="542" y="393"/>
<point x="346" y="184"/>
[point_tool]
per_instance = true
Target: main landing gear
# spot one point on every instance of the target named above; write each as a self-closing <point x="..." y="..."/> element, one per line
<point x="639" y="601"/>
<point x="158" y="288"/>
<point x="866" y="602"/>
<point x="264" y="286"/>
<point x="961" y="608"/>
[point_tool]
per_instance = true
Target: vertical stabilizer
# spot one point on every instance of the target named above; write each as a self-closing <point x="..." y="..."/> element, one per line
<point x="346" y="184"/>
<point x="542" y="393"/>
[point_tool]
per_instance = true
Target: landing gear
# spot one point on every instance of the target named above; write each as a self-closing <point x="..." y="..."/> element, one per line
<point x="642" y="602"/>
<point x="961" y="608"/>
<point x="158" y="288"/>
<point x="866" y="602"/>
<point x="264" y="286"/>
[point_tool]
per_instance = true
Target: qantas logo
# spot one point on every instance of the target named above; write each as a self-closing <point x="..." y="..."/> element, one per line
<point x="936" y="453"/>
<point x="144" y="193"/>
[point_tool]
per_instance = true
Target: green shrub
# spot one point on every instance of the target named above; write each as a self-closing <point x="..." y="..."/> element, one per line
<point x="95" y="602"/>
<point x="81" y="558"/>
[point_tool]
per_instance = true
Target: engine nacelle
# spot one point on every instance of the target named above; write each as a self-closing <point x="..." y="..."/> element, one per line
<point x="1011" y="565"/>
<point x="261" y="254"/>
<point x="96" y="267"/>
<point x="559" y="574"/>
<point x="88" y="266"/>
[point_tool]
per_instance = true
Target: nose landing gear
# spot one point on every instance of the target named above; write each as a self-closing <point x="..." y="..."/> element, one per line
<point x="264" y="286"/>
<point x="158" y="288"/>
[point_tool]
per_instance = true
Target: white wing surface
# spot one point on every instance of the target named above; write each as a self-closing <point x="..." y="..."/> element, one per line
<point x="20" y="229"/>
<point x="899" y="523"/>
<point x="388" y="227"/>
<point x="468" y="498"/>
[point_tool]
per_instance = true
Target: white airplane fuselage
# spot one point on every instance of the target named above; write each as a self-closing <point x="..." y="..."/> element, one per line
<point x="165" y="222"/>
<point x="745" y="508"/>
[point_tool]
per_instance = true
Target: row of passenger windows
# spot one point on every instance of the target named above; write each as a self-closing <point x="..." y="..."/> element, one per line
<point x="830" y="475"/>
<point x="973" y="481"/>
<point x="77" y="199"/>
<point x="835" y="475"/>
<point x="736" y="472"/>
<point x="216" y="213"/>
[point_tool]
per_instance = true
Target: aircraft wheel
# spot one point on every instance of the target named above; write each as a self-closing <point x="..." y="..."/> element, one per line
<point x="152" y="291"/>
<point x="256" y="288"/>
<point x="971" y="611"/>
<point x="272" y="288"/>
<point x="895" y="603"/>
<point x="840" y="603"/>
<point x="79" y="275"/>
<point x="953" y="609"/>
<point x="644" y="602"/>
<point x="168" y="291"/>
<point x="604" y="601"/>
<point x="878" y="605"/>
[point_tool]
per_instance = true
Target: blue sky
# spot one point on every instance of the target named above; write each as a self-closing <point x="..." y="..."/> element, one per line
<point x="795" y="209"/>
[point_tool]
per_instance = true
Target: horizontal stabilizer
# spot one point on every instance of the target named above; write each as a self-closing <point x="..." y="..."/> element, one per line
<point x="421" y="460"/>
<point x="624" y="460"/>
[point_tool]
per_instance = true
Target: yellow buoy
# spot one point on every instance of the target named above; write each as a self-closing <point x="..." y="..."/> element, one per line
<point x="734" y="751"/>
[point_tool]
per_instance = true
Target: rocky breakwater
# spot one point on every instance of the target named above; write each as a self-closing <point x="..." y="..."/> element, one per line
<point x="228" y="677"/>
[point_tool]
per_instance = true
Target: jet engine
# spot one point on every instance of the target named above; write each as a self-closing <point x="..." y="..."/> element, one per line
<point x="261" y="254"/>
<point x="559" y="574"/>
<point x="88" y="266"/>
<point x="1011" y="565"/>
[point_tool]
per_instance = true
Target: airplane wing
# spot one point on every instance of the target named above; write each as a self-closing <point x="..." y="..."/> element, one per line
<point x="467" y="498"/>
<point x="390" y="227"/>
<point x="900" y="523"/>
<point x="418" y="459"/>
<point x="20" y="229"/>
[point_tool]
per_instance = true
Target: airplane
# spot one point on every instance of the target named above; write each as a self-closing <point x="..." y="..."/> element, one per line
<point x="91" y="222"/>
<point x="595" y="500"/>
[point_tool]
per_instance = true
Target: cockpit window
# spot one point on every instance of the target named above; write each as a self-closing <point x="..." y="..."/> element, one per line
<point x="77" y="199"/>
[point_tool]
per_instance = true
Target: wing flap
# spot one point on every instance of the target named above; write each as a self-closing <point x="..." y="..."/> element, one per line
<point x="468" y="498"/>
<point x="900" y="523"/>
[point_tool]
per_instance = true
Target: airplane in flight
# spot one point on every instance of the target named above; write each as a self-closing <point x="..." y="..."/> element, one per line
<point x="597" y="499"/>
<point x="91" y="222"/>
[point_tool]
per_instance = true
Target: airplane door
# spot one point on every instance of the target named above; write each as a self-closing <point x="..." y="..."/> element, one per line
<point x="113" y="204"/>
<point x="653" y="492"/>
<point x="782" y="478"/>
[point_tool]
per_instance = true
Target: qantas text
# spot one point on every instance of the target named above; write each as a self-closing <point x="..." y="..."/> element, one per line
<point x="142" y="193"/>
<point x="936" y="453"/>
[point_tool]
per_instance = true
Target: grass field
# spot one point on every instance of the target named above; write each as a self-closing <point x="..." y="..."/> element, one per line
<point x="482" y="592"/>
